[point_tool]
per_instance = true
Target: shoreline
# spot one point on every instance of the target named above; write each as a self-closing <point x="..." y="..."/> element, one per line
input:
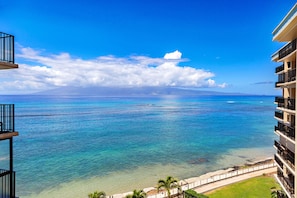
<point x="211" y="178"/>
<point x="142" y="177"/>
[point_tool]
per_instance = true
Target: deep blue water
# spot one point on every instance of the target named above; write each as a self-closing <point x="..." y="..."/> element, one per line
<point x="70" y="138"/>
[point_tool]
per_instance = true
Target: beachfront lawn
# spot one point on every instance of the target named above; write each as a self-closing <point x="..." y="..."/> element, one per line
<point x="251" y="188"/>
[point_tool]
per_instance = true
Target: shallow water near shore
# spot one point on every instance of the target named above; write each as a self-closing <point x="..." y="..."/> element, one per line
<point x="71" y="146"/>
<point x="147" y="176"/>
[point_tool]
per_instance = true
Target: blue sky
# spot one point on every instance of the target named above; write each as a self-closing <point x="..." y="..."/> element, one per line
<point x="219" y="45"/>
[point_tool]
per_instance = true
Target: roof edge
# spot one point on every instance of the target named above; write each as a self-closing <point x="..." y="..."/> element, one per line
<point x="285" y="20"/>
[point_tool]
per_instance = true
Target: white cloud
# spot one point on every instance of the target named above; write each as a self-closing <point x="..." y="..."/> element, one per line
<point x="211" y="82"/>
<point x="223" y="85"/>
<point x="176" y="55"/>
<point x="50" y="71"/>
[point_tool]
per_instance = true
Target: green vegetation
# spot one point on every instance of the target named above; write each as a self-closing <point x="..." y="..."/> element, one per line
<point x="137" y="194"/>
<point x="262" y="186"/>
<point x="277" y="193"/>
<point x="97" y="194"/>
<point x="193" y="194"/>
<point x="167" y="184"/>
<point x="252" y="188"/>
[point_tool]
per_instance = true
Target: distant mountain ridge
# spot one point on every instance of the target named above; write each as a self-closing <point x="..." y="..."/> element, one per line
<point x="130" y="91"/>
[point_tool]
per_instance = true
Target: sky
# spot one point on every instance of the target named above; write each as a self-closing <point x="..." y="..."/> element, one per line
<point x="213" y="45"/>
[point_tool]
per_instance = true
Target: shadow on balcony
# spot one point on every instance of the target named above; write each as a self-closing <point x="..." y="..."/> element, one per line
<point x="287" y="182"/>
<point x="7" y="183"/>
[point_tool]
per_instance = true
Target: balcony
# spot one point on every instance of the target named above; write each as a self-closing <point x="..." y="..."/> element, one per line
<point x="287" y="156"/>
<point x="7" y="183"/>
<point x="279" y="68"/>
<point x="288" y="131"/>
<point x="281" y="79"/>
<point x="286" y="103"/>
<point x="279" y="162"/>
<point x="286" y="77"/>
<point x="7" y="129"/>
<point x="278" y="146"/>
<point x="279" y="115"/>
<point x="279" y="99"/>
<point x="287" y="183"/>
<point x="287" y="49"/>
<point x="7" y="51"/>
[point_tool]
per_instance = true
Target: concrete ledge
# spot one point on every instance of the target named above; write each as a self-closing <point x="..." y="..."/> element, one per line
<point x="8" y="135"/>
<point x="4" y="65"/>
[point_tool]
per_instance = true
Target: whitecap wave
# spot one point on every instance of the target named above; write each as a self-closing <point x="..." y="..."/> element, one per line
<point x="230" y="101"/>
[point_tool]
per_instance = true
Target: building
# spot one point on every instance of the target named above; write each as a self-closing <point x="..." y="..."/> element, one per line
<point x="7" y="130"/>
<point x="285" y="114"/>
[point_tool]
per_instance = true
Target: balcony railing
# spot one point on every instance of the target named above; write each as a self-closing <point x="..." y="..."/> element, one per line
<point x="287" y="155"/>
<point x="288" y="131"/>
<point x="281" y="79"/>
<point x="278" y="161"/>
<point x="287" y="103"/>
<point x="7" y="183"/>
<point x="6" y="118"/>
<point x="6" y="48"/>
<point x="279" y="115"/>
<point x="279" y="147"/>
<point x="288" y="182"/>
<point x="289" y="76"/>
<point x="279" y="99"/>
<point x="288" y="49"/>
<point x="279" y="68"/>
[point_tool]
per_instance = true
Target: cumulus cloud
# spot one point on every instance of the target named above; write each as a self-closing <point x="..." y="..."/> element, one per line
<point x="41" y="72"/>
<point x="176" y="55"/>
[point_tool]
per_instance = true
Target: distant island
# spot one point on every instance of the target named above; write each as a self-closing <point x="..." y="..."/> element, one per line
<point x="131" y="91"/>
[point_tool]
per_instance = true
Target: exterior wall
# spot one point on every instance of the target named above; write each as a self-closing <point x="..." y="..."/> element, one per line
<point x="286" y="32"/>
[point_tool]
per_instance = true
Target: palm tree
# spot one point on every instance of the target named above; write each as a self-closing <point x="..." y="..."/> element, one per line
<point x="97" y="194"/>
<point x="273" y="192"/>
<point x="137" y="194"/>
<point x="277" y="193"/>
<point x="168" y="184"/>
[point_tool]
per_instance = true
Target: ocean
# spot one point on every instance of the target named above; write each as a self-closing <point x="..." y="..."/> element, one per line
<point x="70" y="146"/>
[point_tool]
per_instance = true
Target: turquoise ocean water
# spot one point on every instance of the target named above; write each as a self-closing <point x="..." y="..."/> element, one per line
<point x="80" y="144"/>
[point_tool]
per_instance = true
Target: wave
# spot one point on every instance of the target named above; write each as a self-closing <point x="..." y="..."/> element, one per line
<point x="3" y="158"/>
<point x="230" y="101"/>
